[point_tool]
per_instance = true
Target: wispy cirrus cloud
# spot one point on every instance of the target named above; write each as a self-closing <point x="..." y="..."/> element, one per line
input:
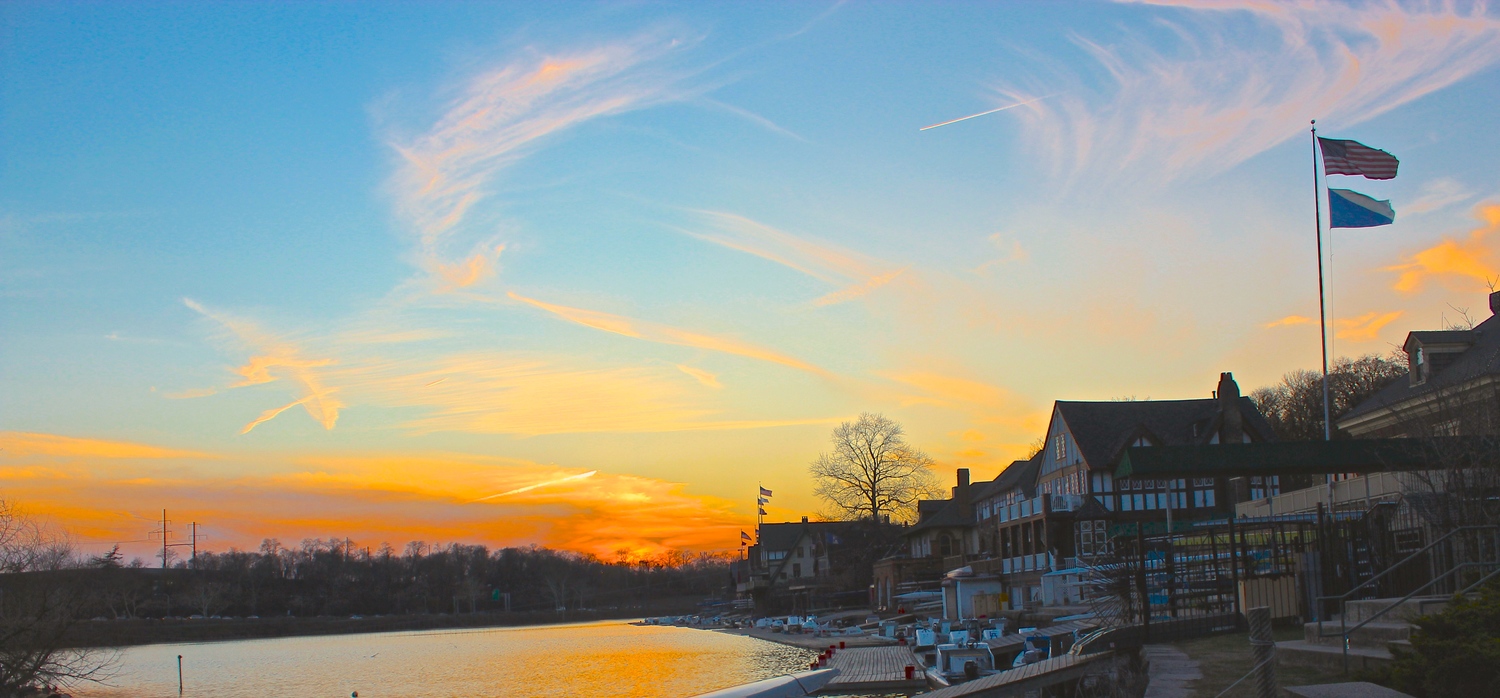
<point x="274" y="359"/>
<point x="665" y="334"/>
<point x="499" y="117"/>
<point x="1471" y="259"/>
<point x="20" y="443"/>
<point x="1438" y="194"/>
<point x="1242" y="76"/>
<point x="708" y="380"/>
<point x="855" y="273"/>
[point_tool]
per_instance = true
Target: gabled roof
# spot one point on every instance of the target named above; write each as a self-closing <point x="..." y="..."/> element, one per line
<point x="1021" y="473"/>
<point x="783" y="536"/>
<point x="1102" y="429"/>
<point x="1482" y="358"/>
<point x="942" y="513"/>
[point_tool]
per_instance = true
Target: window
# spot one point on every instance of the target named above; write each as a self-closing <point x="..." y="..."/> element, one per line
<point x="777" y="555"/>
<point x="1060" y="448"/>
<point x="796" y="569"/>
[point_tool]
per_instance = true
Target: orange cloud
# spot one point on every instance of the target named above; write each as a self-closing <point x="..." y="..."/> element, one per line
<point x="707" y="379"/>
<point x="1364" y="328"/>
<point x="859" y="289"/>
<point x="664" y="334"/>
<point x="20" y="443"/>
<point x="370" y="498"/>
<point x="274" y="359"/>
<point x="1289" y="321"/>
<point x="1473" y="258"/>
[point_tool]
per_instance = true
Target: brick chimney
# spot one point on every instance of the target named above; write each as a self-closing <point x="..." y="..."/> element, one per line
<point x="1495" y="303"/>
<point x="1232" y="428"/>
<point x="961" y="492"/>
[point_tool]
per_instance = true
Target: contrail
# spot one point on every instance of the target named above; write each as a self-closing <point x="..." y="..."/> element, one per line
<point x="992" y="111"/>
<point x="429" y="385"/>
<point x="529" y="488"/>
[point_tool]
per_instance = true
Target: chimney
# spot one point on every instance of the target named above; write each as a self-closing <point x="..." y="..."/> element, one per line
<point x="804" y="519"/>
<point x="1232" y="429"/>
<point x="961" y="492"/>
<point x="1495" y="303"/>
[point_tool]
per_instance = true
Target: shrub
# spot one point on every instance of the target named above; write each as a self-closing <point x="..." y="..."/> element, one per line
<point x="1453" y="653"/>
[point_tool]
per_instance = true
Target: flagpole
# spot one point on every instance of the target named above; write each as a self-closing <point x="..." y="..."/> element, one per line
<point x="1322" y="312"/>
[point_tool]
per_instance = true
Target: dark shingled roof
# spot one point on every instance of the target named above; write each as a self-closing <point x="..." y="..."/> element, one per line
<point x="1102" y="429"/>
<point x="782" y="536"/>
<point x="941" y="513"/>
<point x="1480" y="359"/>
<point x="1021" y="473"/>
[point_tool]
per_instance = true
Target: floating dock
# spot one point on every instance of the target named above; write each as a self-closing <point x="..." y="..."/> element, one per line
<point x="1016" y="682"/>
<point x="875" y="669"/>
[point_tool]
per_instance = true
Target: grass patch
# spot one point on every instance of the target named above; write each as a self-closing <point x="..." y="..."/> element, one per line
<point x="1225" y="658"/>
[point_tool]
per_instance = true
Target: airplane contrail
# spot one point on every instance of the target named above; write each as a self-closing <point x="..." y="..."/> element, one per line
<point x="529" y="488"/>
<point x="992" y="111"/>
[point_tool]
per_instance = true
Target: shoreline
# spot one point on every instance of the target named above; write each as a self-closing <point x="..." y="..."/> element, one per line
<point x="809" y="642"/>
<point x="116" y="634"/>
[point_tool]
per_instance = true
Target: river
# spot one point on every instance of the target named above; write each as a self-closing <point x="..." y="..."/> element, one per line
<point x="607" y="658"/>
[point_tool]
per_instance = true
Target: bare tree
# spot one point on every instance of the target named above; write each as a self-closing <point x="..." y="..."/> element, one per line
<point x="1294" y="407"/>
<point x="872" y="471"/>
<point x="42" y="596"/>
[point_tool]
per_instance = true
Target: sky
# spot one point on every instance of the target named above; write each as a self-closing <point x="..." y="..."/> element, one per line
<point x="584" y="275"/>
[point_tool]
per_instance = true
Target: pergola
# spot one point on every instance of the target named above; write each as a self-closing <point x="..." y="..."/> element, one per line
<point x="1302" y="457"/>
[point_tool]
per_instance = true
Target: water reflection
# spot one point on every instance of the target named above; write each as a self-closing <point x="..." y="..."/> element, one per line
<point x="607" y="658"/>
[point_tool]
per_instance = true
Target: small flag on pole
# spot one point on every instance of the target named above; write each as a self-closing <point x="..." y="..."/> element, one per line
<point x="761" y="500"/>
<point x="1351" y="209"/>
<point x="744" y="536"/>
<point x="765" y="492"/>
<point x="762" y="510"/>
<point x="1342" y="157"/>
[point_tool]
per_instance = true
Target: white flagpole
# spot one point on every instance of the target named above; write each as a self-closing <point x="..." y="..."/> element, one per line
<point x="1322" y="312"/>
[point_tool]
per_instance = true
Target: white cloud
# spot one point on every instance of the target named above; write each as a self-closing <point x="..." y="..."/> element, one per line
<point x="1237" y="78"/>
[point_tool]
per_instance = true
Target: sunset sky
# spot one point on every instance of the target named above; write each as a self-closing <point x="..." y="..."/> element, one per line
<point x="583" y="275"/>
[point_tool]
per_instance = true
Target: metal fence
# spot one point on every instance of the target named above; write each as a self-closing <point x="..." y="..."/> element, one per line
<point x="1286" y="562"/>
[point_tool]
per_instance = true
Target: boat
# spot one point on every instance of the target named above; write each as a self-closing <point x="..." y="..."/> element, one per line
<point x="959" y="662"/>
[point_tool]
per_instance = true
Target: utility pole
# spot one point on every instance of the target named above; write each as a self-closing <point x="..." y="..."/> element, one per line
<point x="166" y="536"/>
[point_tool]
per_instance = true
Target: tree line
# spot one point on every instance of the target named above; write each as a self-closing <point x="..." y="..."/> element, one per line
<point x="335" y="577"/>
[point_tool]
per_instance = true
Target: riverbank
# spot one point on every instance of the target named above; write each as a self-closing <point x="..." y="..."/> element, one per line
<point x="150" y="631"/>
<point x="810" y="642"/>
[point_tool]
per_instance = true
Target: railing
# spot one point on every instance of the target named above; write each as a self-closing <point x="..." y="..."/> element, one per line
<point x="1343" y="599"/>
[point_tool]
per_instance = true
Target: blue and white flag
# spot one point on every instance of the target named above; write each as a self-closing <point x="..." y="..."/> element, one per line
<point x="1351" y="209"/>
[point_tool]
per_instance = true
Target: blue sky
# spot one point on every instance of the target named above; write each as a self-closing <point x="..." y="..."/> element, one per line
<point x="348" y="268"/>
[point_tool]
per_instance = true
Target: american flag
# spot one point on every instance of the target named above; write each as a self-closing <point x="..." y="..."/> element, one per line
<point x="1354" y="158"/>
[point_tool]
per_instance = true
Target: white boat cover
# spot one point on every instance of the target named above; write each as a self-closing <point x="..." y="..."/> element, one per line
<point x="802" y="683"/>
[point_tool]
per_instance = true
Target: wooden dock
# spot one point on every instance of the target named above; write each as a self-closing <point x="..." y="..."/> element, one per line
<point x="874" y="669"/>
<point x="1016" y="682"/>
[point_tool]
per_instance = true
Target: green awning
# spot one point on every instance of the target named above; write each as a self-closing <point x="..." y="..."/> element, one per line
<point x="1303" y="457"/>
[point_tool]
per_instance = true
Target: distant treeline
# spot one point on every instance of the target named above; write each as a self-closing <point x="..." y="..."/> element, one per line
<point x="335" y="578"/>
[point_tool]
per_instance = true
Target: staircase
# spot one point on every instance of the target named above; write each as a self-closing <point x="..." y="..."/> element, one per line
<point x="1370" y="644"/>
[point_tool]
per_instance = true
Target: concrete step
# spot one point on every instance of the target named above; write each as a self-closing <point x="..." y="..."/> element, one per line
<point x="1373" y="635"/>
<point x="1329" y="657"/>
<point x="1363" y="609"/>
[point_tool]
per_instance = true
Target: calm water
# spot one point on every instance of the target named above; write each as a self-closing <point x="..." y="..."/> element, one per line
<point x="607" y="658"/>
